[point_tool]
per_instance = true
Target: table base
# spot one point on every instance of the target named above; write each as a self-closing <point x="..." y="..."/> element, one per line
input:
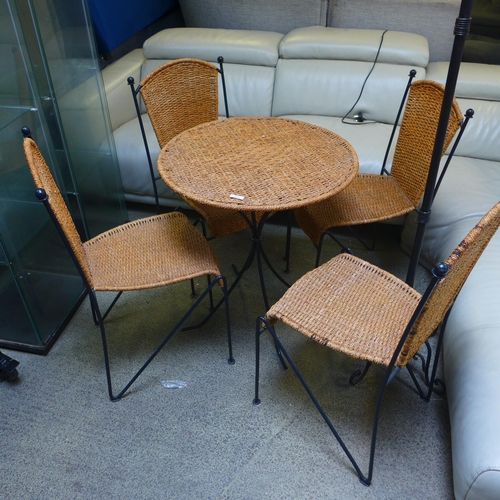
<point x="256" y="252"/>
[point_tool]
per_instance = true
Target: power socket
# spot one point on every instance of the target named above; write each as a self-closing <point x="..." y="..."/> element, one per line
<point x="359" y="117"/>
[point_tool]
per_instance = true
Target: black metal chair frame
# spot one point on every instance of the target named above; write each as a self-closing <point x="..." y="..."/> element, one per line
<point x="135" y="92"/>
<point x="99" y="318"/>
<point x="439" y="272"/>
<point x="154" y="178"/>
<point x="383" y="171"/>
<point x="371" y="247"/>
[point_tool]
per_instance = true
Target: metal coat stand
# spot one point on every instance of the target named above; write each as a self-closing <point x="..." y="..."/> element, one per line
<point x="462" y="28"/>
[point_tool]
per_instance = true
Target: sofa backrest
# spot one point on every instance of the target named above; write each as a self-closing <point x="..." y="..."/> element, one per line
<point x="322" y="71"/>
<point x="269" y="15"/>
<point x="250" y="59"/>
<point x="433" y="19"/>
<point x="478" y="87"/>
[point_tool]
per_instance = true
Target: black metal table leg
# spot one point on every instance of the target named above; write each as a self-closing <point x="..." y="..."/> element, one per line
<point x="256" y="251"/>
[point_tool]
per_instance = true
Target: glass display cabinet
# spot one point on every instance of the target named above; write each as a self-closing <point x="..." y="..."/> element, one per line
<point x="50" y="82"/>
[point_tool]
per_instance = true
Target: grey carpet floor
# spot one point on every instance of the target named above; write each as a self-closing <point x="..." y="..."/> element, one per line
<point x="61" y="438"/>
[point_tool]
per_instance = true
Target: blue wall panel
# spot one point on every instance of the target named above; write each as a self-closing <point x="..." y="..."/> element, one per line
<point x="115" y="21"/>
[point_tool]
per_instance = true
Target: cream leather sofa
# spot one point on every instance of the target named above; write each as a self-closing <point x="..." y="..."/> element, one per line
<point x="312" y="73"/>
<point x="316" y="74"/>
<point x="472" y="341"/>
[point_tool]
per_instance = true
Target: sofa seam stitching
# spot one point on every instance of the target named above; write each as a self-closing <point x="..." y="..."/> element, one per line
<point x="479" y="473"/>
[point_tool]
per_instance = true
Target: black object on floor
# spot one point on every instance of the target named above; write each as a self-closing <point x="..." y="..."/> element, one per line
<point x="8" y="368"/>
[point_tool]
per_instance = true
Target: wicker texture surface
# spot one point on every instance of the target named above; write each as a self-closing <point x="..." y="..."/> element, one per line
<point x="461" y="262"/>
<point x="268" y="163"/>
<point x="146" y="253"/>
<point x="361" y="310"/>
<point x="43" y="180"/>
<point x="371" y="198"/>
<point x="351" y="306"/>
<point x="179" y="95"/>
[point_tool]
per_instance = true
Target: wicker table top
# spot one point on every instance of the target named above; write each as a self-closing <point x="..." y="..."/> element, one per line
<point x="257" y="163"/>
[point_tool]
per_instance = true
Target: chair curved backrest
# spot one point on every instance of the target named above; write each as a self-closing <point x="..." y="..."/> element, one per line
<point x="179" y="95"/>
<point x="460" y="263"/>
<point x="415" y="144"/>
<point x="43" y="179"/>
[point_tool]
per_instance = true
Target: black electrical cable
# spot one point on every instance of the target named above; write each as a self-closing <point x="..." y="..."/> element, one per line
<point x="359" y="119"/>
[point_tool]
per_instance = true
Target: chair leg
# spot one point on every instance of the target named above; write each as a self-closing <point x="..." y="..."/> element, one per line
<point x="203" y="225"/>
<point x="116" y="397"/>
<point x="358" y="375"/>
<point x="157" y="199"/>
<point x="288" y="240"/>
<point x="108" y="310"/>
<point x="371" y="247"/>
<point x="94" y="315"/>
<point x="259" y="329"/>
<point x="210" y="295"/>
<point x="389" y="375"/>
<point x="258" y="332"/>
<point x="343" y="248"/>
<point x="228" y="320"/>
<point x="430" y="380"/>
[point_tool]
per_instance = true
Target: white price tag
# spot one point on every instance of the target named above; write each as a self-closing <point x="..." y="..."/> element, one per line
<point x="236" y="196"/>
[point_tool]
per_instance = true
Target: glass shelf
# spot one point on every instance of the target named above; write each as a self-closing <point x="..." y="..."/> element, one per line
<point x="9" y="114"/>
<point x="50" y="82"/>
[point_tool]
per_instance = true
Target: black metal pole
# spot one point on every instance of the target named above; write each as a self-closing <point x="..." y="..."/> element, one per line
<point x="462" y="27"/>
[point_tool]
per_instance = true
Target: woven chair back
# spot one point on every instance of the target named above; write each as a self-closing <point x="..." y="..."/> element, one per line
<point x="180" y="95"/>
<point x="461" y="262"/>
<point x="43" y="179"/>
<point x="413" y="152"/>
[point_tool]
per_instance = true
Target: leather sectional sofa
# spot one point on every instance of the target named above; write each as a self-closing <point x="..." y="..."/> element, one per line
<point x="316" y="74"/>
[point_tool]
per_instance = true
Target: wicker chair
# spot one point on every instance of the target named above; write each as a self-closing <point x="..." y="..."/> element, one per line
<point x="179" y="95"/>
<point x="146" y="253"/>
<point x="370" y="197"/>
<point x="365" y="312"/>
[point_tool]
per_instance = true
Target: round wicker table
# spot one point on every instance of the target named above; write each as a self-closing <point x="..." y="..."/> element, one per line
<point x="257" y="164"/>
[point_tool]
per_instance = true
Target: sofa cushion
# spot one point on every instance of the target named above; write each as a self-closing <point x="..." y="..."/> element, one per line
<point x="319" y="79"/>
<point x="478" y="87"/>
<point x="470" y="354"/>
<point x="332" y="88"/>
<point x="315" y="42"/>
<point x="120" y="103"/>
<point x="236" y="46"/>
<point x="133" y="163"/>
<point x="249" y="88"/>
<point x="432" y="19"/>
<point x="480" y="179"/>
<point x="250" y="58"/>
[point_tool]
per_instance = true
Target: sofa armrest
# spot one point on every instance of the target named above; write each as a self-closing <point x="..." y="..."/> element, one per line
<point x="478" y="87"/>
<point x="120" y="103"/>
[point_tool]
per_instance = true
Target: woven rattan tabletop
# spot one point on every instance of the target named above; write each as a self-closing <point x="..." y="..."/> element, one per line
<point x="257" y="163"/>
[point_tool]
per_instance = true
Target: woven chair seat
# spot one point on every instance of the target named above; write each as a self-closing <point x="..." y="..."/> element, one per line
<point x="351" y="306"/>
<point x="368" y="198"/>
<point x="147" y="253"/>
